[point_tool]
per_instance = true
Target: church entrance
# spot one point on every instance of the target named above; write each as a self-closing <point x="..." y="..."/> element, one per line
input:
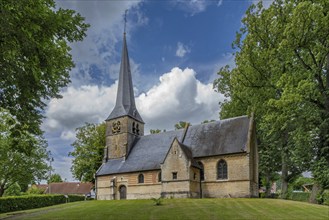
<point x="123" y="192"/>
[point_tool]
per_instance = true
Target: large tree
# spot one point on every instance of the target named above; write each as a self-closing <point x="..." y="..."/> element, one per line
<point x="34" y="56"/>
<point x="181" y="125"/>
<point x="281" y="74"/>
<point x="88" y="151"/>
<point x="22" y="154"/>
<point x="55" y="178"/>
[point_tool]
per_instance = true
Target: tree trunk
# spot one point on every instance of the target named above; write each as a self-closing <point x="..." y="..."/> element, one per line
<point x="2" y="190"/>
<point x="314" y="193"/>
<point x="268" y="186"/>
<point x="284" y="178"/>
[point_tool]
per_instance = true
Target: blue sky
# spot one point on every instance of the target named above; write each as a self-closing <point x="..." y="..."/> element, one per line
<point x="175" y="49"/>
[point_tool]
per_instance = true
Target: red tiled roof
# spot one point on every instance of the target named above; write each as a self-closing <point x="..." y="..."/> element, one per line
<point x="70" y="188"/>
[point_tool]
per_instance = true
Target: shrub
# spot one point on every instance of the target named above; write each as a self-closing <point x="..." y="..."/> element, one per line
<point x="273" y="195"/>
<point x="323" y="198"/>
<point x="16" y="203"/>
<point x="13" y="190"/>
<point x="157" y="201"/>
<point x="35" y="190"/>
<point x="75" y="198"/>
<point x="300" y="196"/>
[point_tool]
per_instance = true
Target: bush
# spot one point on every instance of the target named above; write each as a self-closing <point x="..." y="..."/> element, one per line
<point x="75" y="198"/>
<point x="16" y="203"/>
<point x="273" y="195"/>
<point x="323" y="198"/>
<point x="300" y="196"/>
<point x="35" y="190"/>
<point x="157" y="201"/>
<point x="13" y="190"/>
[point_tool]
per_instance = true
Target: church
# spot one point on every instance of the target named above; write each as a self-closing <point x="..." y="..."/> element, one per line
<point x="211" y="160"/>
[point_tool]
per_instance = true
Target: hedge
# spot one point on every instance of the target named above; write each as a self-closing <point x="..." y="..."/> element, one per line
<point x="16" y="203"/>
<point x="300" y="196"/>
<point x="273" y="195"/>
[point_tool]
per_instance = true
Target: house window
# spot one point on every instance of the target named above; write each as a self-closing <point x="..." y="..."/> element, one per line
<point x="174" y="175"/>
<point x="222" y="170"/>
<point x="201" y="170"/>
<point x="140" y="178"/>
<point x="159" y="177"/>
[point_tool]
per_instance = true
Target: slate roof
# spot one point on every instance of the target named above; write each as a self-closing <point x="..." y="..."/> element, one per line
<point x="216" y="138"/>
<point x="125" y="102"/>
<point x="188" y="152"/>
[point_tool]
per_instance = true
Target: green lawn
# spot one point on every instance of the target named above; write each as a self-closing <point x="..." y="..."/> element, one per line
<point x="198" y="209"/>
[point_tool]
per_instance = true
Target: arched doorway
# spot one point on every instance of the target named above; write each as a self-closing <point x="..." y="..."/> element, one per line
<point x="123" y="192"/>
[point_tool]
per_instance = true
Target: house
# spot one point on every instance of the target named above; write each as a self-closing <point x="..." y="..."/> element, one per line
<point x="68" y="188"/>
<point x="217" y="159"/>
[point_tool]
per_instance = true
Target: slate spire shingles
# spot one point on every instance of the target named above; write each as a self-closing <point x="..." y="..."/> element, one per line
<point x="125" y="102"/>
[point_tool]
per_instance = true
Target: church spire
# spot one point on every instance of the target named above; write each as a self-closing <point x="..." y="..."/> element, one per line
<point x="125" y="102"/>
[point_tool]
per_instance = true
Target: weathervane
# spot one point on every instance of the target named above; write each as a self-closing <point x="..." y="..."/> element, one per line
<point x="125" y="21"/>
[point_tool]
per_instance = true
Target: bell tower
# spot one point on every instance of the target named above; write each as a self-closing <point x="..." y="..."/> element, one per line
<point x="124" y="123"/>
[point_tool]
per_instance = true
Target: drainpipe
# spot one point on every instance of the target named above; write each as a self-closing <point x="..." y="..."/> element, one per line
<point x="200" y="186"/>
<point x="96" y="191"/>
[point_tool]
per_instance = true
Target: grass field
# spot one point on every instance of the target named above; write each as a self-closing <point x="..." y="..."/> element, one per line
<point x="178" y="209"/>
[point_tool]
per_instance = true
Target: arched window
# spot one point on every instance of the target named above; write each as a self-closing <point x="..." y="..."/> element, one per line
<point x="201" y="170"/>
<point x="140" y="178"/>
<point x="159" y="177"/>
<point x="222" y="170"/>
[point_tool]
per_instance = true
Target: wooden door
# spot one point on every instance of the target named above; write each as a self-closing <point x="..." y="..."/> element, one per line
<point x="123" y="192"/>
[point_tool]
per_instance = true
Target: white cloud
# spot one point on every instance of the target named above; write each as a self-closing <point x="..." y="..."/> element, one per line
<point x="219" y="3"/>
<point x="79" y="105"/>
<point x="62" y="166"/>
<point x="68" y="135"/>
<point x="192" y="6"/>
<point x="98" y="48"/>
<point x="266" y="3"/>
<point x="182" y="50"/>
<point x="178" y="96"/>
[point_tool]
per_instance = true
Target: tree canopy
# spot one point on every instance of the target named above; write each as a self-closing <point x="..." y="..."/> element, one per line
<point x="281" y="74"/>
<point x="55" y="178"/>
<point x="88" y="151"/>
<point x="181" y="125"/>
<point x="22" y="154"/>
<point x="34" y="66"/>
<point x="34" y="56"/>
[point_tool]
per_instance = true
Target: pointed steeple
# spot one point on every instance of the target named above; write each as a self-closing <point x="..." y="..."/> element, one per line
<point x="125" y="102"/>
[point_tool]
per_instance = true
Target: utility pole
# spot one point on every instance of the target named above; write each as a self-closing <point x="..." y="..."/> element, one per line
<point x="51" y="159"/>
